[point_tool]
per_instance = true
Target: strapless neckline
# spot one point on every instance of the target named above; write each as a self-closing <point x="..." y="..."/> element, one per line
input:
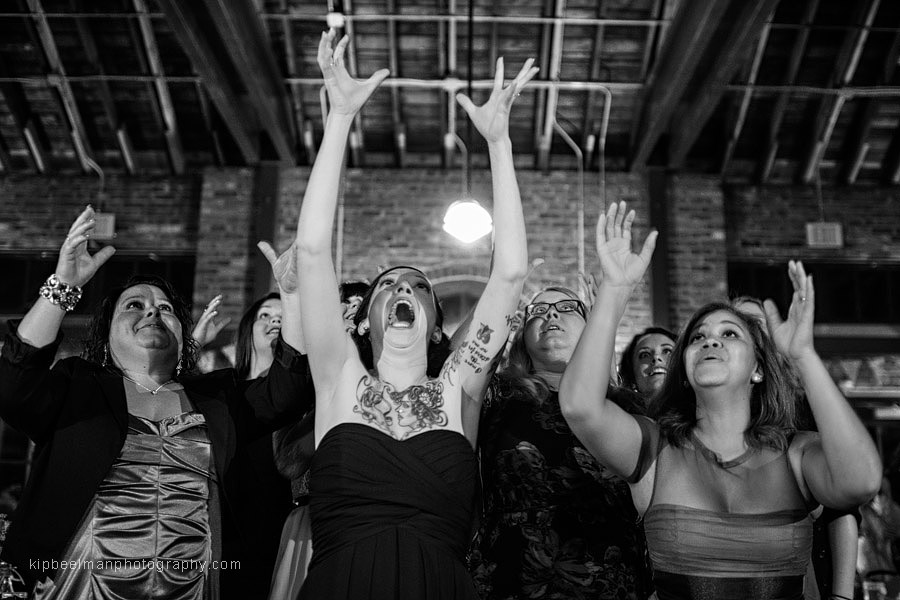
<point x="390" y="438"/>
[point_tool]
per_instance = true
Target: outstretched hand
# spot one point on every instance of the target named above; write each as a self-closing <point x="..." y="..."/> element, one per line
<point x="208" y="328"/>
<point x="75" y="265"/>
<point x="345" y="94"/>
<point x="620" y="266"/>
<point x="491" y="119"/>
<point x="794" y="336"/>
<point x="284" y="267"/>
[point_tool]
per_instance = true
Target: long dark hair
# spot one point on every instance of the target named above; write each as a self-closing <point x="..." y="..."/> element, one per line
<point x="96" y="344"/>
<point x="243" y="346"/>
<point x="772" y="406"/>
<point x="626" y="363"/>
<point x="437" y="351"/>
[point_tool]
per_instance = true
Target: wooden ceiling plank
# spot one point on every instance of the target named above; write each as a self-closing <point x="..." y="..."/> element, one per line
<point x="744" y="107"/>
<point x="89" y="44"/>
<point x="790" y="76"/>
<point x="866" y="112"/>
<point x="844" y="69"/>
<point x="57" y="78"/>
<point x="556" y="50"/>
<point x="693" y="27"/>
<point x="747" y="28"/>
<point x="300" y="120"/>
<point x="150" y="59"/>
<point x="654" y="35"/>
<point x="183" y="22"/>
<point x="240" y="27"/>
<point x="396" y="105"/>
<point x="214" y="142"/>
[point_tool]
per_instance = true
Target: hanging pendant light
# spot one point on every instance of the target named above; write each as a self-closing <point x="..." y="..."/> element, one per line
<point x="467" y="220"/>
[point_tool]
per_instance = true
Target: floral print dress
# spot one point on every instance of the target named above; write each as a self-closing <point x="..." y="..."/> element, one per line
<point x="557" y="524"/>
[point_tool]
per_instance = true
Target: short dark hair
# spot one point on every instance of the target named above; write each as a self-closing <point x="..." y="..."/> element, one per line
<point x="353" y="288"/>
<point x="96" y="344"/>
<point x="772" y="402"/>
<point x="626" y="363"/>
<point x="437" y="351"/>
<point x="243" y="345"/>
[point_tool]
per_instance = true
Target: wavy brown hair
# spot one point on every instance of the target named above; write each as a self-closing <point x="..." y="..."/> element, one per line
<point x="773" y="416"/>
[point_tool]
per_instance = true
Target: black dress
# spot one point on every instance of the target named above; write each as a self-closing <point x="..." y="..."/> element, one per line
<point x="557" y="523"/>
<point x="391" y="519"/>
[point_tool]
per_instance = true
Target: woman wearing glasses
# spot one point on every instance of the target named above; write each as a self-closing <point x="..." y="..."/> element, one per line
<point x="557" y="524"/>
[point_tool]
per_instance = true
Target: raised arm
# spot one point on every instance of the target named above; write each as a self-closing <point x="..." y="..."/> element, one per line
<point x="608" y="432"/>
<point x="486" y="334"/>
<point x="842" y="467"/>
<point x="74" y="268"/>
<point x="327" y="342"/>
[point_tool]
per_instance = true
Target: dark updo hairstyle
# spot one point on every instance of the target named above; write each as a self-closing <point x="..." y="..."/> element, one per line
<point x="353" y="288"/>
<point x="243" y="346"/>
<point x="437" y="352"/>
<point x="772" y="406"/>
<point x="626" y="364"/>
<point x="96" y="344"/>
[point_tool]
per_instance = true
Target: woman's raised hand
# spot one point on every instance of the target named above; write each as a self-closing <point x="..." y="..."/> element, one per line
<point x="284" y="267"/>
<point x="75" y="265"/>
<point x="794" y="336"/>
<point x="208" y="328"/>
<point x="346" y="95"/>
<point x="620" y="266"/>
<point x="491" y="119"/>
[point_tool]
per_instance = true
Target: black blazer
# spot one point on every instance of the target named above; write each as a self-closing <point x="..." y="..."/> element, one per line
<point x="77" y="416"/>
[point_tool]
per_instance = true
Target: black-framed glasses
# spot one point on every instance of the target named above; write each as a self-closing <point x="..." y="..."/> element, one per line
<point x="537" y="309"/>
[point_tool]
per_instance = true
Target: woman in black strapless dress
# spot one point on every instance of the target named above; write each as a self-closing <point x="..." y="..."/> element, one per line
<point x="393" y="481"/>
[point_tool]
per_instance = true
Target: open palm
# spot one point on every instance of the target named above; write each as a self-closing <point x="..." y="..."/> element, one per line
<point x="345" y="94"/>
<point x="621" y="266"/>
<point x="794" y="336"/>
<point x="491" y="119"/>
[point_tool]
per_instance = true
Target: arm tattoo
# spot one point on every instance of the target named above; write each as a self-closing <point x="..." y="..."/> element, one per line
<point x="484" y="333"/>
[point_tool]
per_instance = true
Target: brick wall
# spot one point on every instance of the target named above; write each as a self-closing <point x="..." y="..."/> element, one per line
<point x="152" y="214"/>
<point x="770" y="222"/>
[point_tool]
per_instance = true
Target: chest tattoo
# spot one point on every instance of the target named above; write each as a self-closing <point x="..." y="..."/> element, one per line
<point x="413" y="409"/>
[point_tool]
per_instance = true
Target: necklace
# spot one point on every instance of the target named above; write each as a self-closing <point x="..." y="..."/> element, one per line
<point x="139" y="384"/>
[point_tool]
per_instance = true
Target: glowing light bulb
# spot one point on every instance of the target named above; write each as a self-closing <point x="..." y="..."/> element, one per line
<point x="467" y="221"/>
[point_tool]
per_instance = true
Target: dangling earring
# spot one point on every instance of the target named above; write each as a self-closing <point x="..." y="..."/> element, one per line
<point x="363" y="327"/>
<point x="105" y="355"/>
<point x="756" y="378"/>
<point x="178" y="368"/>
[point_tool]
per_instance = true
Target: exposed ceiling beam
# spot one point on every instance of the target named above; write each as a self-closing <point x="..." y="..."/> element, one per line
<point x="541" y="96"/>
<point x="589" y="129"/>
<point x="301" y="123"/>
<point x="866" y="112"/>
<point x="57" y="78"/>
<point x="747" y="26"/>
<point x="654" y="35"/>
<point x="790" y="75"/>
<point x="844" y="69"/>
<point x="746" y="97"/>
<point x="690" y="34"/>
<point x="214" y="142"/>
<point x="17" y="104"/>
<point x="396" y="108"/>
<point x="447" y="68"/>
<point x="184" y="22"/>
<point x="356" y="139"/>
<point x="165" y="109"/>
<point x="556" y="50"/>
<point x="243" y="36"/>
<point x="92" y="54"/>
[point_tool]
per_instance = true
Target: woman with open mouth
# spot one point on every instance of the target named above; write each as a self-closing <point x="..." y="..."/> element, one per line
<point x="394" y="477"/>
<point x="645" y="361"/>
<point x="722" y="478"/>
